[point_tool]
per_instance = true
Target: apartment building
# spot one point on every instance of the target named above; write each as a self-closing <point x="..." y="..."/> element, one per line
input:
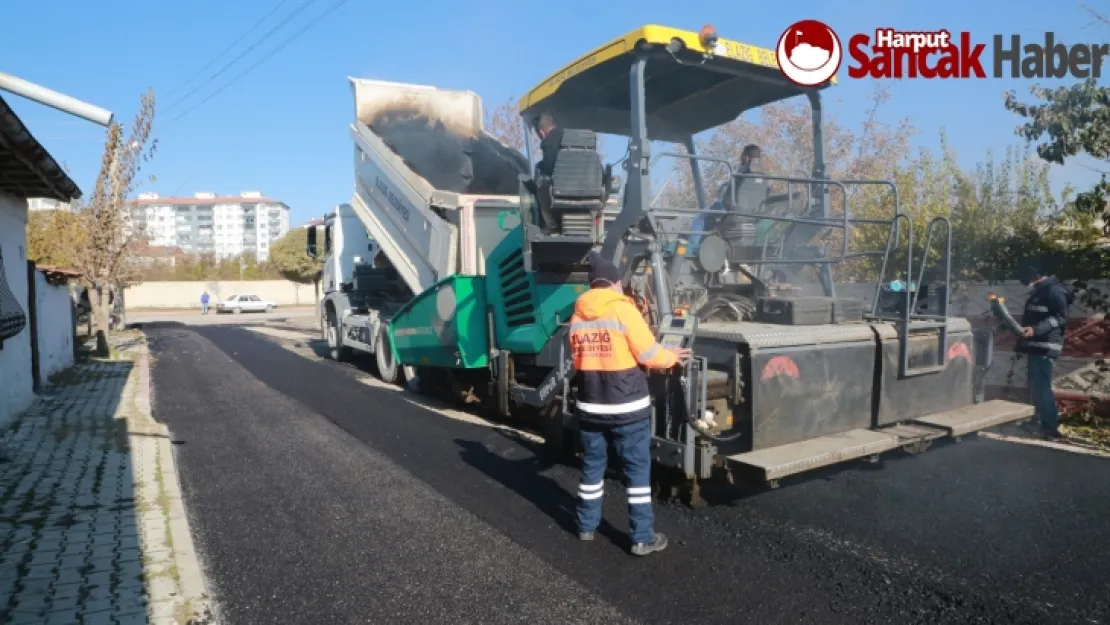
<point x="207" y="223"/>
<point x="47" y="204"/>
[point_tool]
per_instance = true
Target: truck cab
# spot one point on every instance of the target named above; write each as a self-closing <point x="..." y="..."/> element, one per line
<point x="346" y="243"/>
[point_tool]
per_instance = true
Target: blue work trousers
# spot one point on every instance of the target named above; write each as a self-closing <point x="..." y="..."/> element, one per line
<point x="633" y="444"/>
<point x="1040" y="392"/>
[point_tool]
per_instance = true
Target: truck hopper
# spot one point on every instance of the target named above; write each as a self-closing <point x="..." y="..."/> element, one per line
<point x="432" y="187"/>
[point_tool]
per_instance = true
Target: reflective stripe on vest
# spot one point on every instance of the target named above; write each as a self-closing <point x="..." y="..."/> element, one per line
<point x="626" y="407"/>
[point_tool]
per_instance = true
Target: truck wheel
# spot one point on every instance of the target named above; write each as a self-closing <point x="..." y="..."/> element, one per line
<point x="412" y="378"/>
<point x="387" y="366"/>
<point x="336" y="350"/>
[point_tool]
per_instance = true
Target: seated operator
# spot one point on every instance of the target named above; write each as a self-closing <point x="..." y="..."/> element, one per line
<point x="749" y="159"/>
<point x="551" y="137"/>
<point x="749" y="163"/>
<point x="706" y="222"/>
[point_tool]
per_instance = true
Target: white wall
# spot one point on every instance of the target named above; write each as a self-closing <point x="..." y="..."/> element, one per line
<point x="53" y="307"/>
<point x="187" y="294"/>
<point x="15" y="358"/>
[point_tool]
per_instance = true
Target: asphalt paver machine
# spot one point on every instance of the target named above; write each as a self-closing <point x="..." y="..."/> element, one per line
<point x="781" y="383"/>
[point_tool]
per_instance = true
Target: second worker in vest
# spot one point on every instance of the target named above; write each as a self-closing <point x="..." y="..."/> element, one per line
<point x="611" y="341"/>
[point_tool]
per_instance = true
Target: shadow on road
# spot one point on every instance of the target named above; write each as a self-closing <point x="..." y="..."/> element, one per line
<point x="153" y="325"/>
<point x="747" y="484"/>
<point x="526" y="478"/>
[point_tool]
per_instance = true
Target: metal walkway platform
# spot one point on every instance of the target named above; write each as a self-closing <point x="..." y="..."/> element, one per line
<point x="786" y="460"/>
<point x="978" y="416"/>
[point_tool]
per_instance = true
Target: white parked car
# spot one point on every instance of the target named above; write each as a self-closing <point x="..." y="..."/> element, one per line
<point x="244" y="303"/>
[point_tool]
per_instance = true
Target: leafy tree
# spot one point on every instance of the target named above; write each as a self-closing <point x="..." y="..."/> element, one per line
<point x="1066" y="122"/>
<point x="54" y="237"/>
<point x="206" y="267"/>
<point x="289" y="257"/>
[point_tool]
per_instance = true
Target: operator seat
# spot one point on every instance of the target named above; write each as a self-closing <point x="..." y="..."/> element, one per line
<point x="751" y="193"/>
<point x="579" y="183"/>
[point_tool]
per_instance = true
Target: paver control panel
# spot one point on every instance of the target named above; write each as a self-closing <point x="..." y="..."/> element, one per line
<point x="676" y="332"/>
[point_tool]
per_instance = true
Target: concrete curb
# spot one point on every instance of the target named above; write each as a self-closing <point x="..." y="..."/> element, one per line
<point x="188" y="566"/>
<point x="191" y="578"/>
<point x="1065" y="447"/>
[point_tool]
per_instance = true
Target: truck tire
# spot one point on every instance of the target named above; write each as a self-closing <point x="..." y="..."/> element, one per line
<point x="388" y="370"/>
<point x="413" y="378"/>
<point x="334" y="336"/>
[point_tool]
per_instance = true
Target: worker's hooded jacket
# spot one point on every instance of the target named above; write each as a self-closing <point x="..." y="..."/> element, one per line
<point x="610" y="341"/>
<point x="1046" y="311"/>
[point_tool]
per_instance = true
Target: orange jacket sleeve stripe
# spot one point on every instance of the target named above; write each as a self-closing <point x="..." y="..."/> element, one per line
<point x="641" y="340"/>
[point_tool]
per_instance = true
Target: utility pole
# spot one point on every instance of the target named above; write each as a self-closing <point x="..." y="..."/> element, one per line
<point x="55" y="100"/>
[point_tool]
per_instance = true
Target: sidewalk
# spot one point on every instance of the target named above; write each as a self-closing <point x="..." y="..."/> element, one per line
<point x="92" y="524"/>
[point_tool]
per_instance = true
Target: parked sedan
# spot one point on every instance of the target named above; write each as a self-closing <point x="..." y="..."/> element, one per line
<point x="244" y="303"/>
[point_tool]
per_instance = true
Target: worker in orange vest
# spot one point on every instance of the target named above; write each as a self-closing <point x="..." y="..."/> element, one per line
<point x="610" y="342"/>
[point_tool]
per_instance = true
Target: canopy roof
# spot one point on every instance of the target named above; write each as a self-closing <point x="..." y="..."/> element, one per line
<point x="684" y="95"/>
<point x="26" y="169"/>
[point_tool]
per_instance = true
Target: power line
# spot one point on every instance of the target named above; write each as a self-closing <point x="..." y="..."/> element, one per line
<point x="244" y="53"/>
<point x="229" y="48"/>
<point x="331" y="9"/>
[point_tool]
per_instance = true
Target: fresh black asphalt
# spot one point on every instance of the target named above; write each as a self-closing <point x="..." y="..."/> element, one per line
<point x="315" y="498"/>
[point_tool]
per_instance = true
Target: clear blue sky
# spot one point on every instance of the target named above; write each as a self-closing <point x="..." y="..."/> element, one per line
<point x="282" y="129"/>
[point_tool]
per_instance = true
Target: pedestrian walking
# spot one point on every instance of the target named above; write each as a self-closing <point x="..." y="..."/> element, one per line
<point x="610" y="342"/>
<point x="1045" y="321"/>
<point x="204" y="303"/>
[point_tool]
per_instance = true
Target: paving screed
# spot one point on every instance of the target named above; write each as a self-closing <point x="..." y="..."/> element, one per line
<point x="314" y="496"/>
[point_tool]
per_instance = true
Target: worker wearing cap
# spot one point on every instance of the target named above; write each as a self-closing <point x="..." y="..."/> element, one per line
<point x="1045" y="320"/>
<point x="610" y="341"/>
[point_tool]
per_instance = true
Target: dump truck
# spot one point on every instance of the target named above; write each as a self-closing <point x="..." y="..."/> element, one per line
<point x="434" y="194"/>
<point x="781" y="382"/>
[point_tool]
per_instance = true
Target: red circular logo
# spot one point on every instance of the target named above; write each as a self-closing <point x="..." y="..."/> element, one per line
<point x="809" y="53"/>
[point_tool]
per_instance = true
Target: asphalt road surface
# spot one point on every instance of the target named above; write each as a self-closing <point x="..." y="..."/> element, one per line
<point x="194" y="317"/>
<point x="318" y="498"/>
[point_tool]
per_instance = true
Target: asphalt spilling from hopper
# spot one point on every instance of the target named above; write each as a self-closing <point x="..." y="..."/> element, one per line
<point x="450" y="162"/>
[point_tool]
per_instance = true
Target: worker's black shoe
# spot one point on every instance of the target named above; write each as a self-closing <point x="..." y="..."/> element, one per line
<point x="1051" y="435"/>
<point x="585" y="535"/>
<point x="659" y="543"/>
<point x="1031" y="428"/>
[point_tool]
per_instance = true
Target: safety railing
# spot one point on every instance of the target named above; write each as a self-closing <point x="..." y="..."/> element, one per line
<point x="844" y="222"/>
<point x="907" y="313"/>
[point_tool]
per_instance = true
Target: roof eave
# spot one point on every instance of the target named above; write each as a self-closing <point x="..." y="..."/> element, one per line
<point x="50" y="180"/>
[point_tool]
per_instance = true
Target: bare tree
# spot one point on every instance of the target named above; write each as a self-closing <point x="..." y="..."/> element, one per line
<point x="505" y="124"/>
<point x="107" y="251"/>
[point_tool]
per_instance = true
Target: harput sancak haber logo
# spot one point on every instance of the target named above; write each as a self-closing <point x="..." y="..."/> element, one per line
<point x="809" y="53"/>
